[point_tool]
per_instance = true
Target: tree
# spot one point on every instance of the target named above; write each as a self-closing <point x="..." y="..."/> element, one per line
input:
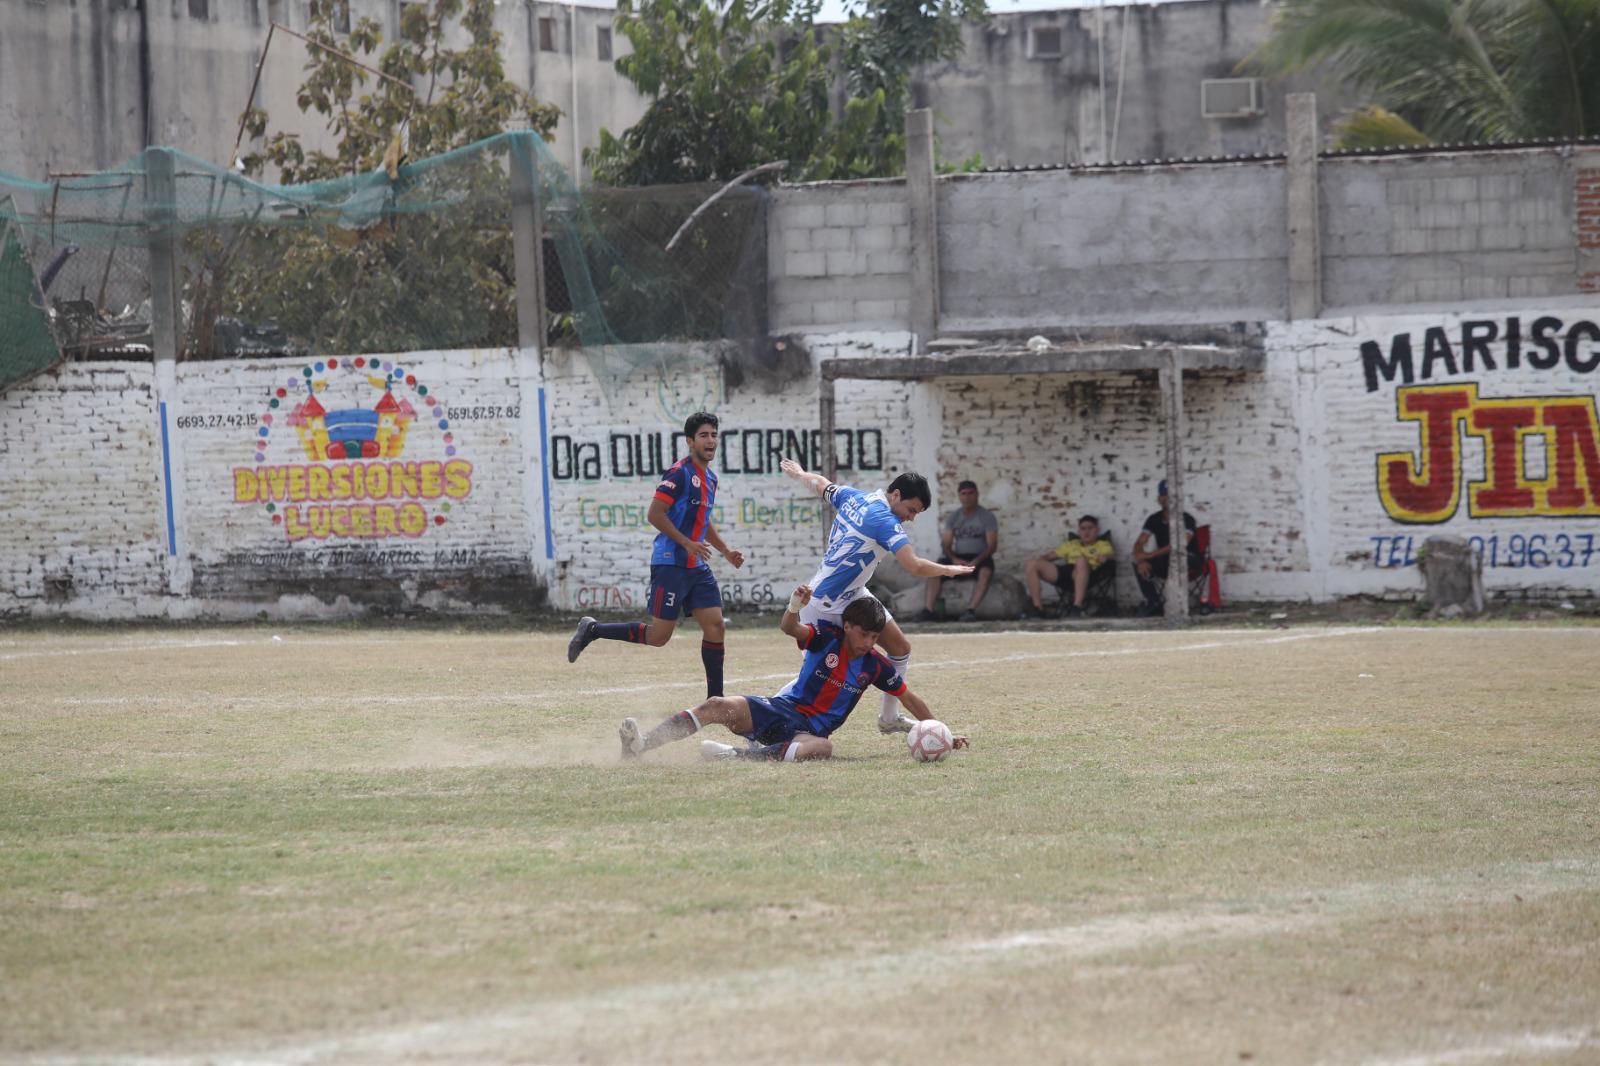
<point x="429" y="264"/>
<point x="1450" y="70"/>
<point x="737" y="86"/>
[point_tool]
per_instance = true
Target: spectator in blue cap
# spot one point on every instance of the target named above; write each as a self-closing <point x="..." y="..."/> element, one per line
<point x="1150" y="563"/>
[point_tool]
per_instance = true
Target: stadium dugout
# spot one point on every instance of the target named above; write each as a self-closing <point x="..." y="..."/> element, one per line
<point x="1180" y="352"/>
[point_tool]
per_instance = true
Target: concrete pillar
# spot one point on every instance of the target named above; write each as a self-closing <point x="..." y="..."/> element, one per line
<point x="533" y="434"/>
<point x="166" y="321"/>
<point x="924" y="216"/>
<point x="1305" y="226"/>
<point x="527" y="240"/>
<point x="1177" y="591"/>
<point x="830" y="455"/>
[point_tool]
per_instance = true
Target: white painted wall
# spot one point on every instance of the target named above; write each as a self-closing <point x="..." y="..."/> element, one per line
<point x="1285" y="464"/>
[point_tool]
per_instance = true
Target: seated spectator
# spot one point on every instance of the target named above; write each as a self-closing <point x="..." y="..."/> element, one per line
<point x="1069" y="568"/>
<point x="969" y="535"/>
<point x="1150" y="564"/>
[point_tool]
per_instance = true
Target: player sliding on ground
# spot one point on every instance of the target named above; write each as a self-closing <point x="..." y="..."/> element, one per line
<point x="795" y="724"/>
<point x="680" y="571"/>
<point x="866" y="527"/>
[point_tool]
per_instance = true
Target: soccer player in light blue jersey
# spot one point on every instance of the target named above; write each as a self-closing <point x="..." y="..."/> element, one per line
<point x="681" y="581"/>
<point x="793" y="726"/>
<point x="866" y="527"/>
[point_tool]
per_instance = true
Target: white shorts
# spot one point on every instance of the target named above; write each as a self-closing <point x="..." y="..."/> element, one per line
<point x="832" y="610"/>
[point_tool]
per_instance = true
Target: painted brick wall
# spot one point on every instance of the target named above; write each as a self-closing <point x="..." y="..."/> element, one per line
<point x="463" y="539"/>
<point x="80" y="488"/>
<point x="1047" y="450"/>
<point x="1321" y="475"/>
<point x="600" y="430"/>
<point x="1534" y="374"/>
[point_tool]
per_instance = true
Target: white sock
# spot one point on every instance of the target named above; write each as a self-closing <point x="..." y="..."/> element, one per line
<point x="791" y="751"/>
<point x="695" y="718"/>
<point x="891" y="706"/>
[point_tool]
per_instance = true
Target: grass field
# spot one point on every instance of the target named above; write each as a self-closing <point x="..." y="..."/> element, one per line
<point x="1323" y="845"/>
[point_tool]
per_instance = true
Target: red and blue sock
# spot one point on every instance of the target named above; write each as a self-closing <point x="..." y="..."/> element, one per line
<point x="711" y="654"/>
<point x="632" y="632"/>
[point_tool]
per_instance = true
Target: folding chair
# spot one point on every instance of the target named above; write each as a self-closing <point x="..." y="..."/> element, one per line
<point x="1100" y="598"/>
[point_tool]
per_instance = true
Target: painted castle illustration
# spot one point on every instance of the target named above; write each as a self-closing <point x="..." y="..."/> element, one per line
<point x="353" y="432"/>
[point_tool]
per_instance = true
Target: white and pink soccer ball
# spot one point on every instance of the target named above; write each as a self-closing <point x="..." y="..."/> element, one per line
<point x="930" y="741"/>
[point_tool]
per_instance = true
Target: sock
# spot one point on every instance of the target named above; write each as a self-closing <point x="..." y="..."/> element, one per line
<point x="711" y="655"/>
<point x="633" y="632"/>
<point x="891" y="706"/>
<point x="680" y="725"/>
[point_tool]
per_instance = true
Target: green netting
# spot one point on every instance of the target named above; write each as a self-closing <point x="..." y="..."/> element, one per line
<point x="27" y="347"/>
<point x="373" y="264"/>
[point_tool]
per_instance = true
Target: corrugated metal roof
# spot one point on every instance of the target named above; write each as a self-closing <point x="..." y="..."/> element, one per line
<point x="1278" y="157"/>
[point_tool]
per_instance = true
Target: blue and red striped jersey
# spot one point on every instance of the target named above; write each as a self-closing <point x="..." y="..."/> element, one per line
<point x="830" y="685"/>
<point x="690" y="492"/>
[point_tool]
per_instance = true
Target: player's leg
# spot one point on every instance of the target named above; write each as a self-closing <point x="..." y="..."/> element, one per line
<point x="776" y="733"/>
<point x="703" y="599"/>
<point x="891" y="719"/>
<point x="730" y="711"/>
<point x="1153" y="588"/>
<point x="665" y="600"/>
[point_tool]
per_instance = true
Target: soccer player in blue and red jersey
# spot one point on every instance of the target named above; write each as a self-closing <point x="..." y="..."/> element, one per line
<point x="794" y="725"/>
<point x="680" y="571"/>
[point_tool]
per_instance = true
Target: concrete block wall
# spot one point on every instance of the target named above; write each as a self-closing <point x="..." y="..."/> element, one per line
<point x="1586" y="191"/>
<point x="80" y="487"/>
<point x="1153" y="244"/>
<point x="839" y="255"/>
<point x="1448" y="227"/>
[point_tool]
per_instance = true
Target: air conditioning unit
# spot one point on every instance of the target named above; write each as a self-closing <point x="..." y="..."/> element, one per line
<point x="1231" y="98"/>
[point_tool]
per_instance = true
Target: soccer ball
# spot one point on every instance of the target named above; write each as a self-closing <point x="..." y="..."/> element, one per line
<point x="930" y="741"/>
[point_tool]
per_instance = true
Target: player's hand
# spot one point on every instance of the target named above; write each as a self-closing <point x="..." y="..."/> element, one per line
<point x="700" y="550"/>
<point x="957" y="571"/>
<point x="734" y="556"/>
<point x="792" y="468"/>
<point x="959" y="742"/>
<point x="803" y="594"/>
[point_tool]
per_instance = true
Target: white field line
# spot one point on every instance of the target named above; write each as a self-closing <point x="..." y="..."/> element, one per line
<point x="301" y="639"/>
<point x="521" y="698"/>
<point x="1520" y="1044"/>
<point x="759" y="993"/>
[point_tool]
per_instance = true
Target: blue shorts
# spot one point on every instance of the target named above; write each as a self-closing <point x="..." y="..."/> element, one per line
<point x="678" y="590"/>
<point x="774" y="722"/>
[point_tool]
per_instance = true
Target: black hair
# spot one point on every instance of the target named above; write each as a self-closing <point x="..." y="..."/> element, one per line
<point x="965" y="485"/>
<point x="698" y="419"/>
<point x="1088" y="518"/>
<point x="866" y="612"/>
<point x="912" y="487"/>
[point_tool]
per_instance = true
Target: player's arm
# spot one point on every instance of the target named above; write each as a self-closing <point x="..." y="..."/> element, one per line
<point x="1141" y="546"/>
<point x="790" y="623"/>
<point x="917" y="566"/>
<point x="919" y="710"/>
<point x="658" y="518"/>
<point x="714" y="539"/>
<point x="815" y="482"/>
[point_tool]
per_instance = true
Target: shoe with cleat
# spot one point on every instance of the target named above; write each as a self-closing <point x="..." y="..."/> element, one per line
<point x="582" y="638"/>
<point x="902" y="724"/>
<point x="711" y="750"/>
<point x="628" y="733"/>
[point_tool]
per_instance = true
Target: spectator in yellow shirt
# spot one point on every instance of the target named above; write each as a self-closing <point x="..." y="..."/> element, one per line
<point x="1068" y="568"/>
